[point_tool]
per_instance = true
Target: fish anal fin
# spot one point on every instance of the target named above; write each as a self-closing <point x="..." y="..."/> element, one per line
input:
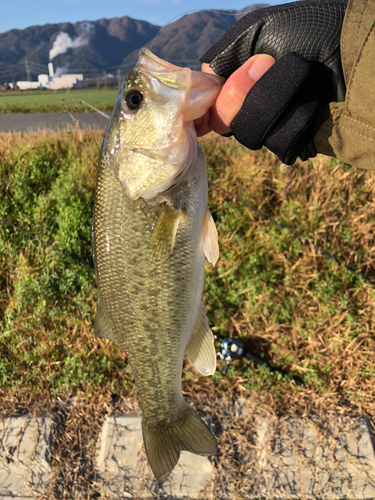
<point x="201" y="350"/>
<point x="164" y="444"/>
<point x="102" y="326"/>
<point x="209" y="238"/>
<point x="164" y="233"/>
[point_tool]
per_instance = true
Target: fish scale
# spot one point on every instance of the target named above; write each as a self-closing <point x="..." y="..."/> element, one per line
<point x="155" y="329"/>
<point x="149" y="253"/>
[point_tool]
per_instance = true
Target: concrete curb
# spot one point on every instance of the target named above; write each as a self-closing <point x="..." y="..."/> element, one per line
<point x="124" y="472"/>
<point x="24" y="443"/>
<point x="292" y="458"/>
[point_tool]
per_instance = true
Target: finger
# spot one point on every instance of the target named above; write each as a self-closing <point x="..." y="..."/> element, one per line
<point x="206" y="68"/>
<point x="230" y="100"/>
<point x="234" y="91"/>
<point x="202" y="126"/>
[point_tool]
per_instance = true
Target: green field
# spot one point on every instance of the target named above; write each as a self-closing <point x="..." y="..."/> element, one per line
<point x="52" y="101"/>
<point x="287" y="302"/>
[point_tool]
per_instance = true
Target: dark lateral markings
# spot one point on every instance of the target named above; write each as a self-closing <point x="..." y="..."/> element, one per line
<point x="28" y="122"/>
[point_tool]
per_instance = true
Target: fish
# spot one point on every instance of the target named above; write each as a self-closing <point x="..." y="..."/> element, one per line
<point x="152" y="232"/>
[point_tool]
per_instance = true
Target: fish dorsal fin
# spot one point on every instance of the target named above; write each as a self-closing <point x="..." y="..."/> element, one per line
<point x="102" y="327"/>
<point x="164" y="234"/>
<point x="209" y="239"/>
<point x="201" y="349"/>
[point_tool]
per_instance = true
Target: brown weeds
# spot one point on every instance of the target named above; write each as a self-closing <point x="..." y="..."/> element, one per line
<point x="284" y="299"/>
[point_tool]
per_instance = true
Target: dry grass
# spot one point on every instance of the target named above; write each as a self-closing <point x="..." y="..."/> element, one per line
<point x="285" y="300"/>
<point x="292" y="304"/>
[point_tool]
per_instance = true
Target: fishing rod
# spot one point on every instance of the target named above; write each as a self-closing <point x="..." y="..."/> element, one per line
<point x="234" y="349"/>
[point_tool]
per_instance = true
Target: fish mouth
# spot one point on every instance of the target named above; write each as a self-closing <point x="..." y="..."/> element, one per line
<point x="194" y="90"/>
<point x="147" y="61"/>
<point x="166" y="73"/>
<point x="148" y="169"/>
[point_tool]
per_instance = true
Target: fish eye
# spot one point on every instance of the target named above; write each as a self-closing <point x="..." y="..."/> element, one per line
<point x="133" y="99"/>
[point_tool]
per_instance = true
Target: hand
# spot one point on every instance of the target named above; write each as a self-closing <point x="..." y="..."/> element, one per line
<point x="282" y="109"/>
<point x="221" y="115"/>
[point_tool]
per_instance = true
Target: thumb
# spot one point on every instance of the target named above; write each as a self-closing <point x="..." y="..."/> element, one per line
<point x="234" y="91"/>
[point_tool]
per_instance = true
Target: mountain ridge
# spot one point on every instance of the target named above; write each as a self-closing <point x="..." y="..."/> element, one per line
<point x="109" y="44"/>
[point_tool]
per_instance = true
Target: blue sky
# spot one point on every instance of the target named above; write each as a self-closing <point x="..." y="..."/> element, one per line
<point x="23" y="13"/>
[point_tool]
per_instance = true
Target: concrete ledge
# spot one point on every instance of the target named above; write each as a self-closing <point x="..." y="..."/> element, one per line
<point x="326" y="460"/>
<point x="24" y="445"/>
<point x="306" y="459"/>
<point x="123" y="470"/>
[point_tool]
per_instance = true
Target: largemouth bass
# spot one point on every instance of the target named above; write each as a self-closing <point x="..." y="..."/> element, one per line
<point x="151" y="233"/>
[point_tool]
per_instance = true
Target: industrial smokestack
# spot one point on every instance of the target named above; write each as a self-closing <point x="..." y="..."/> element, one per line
<point x="50" y="70"/>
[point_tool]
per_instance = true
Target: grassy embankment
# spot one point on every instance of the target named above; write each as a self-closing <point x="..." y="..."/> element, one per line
<point x="284" y="300"/>
<point x="53" y="101"/>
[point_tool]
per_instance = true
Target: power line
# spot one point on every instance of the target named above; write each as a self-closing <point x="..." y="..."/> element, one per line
<point x="41" y="68"/>
<point x="38" y="65"/>
<point x="28" y="77"/>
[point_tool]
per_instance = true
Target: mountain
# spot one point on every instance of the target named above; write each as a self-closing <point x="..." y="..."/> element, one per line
<point x="100" y="47"/>
<point x="104" y="45"/>
<point x="187" y="39"/>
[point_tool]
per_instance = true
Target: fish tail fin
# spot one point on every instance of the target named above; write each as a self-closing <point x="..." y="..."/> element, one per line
<point x="164" y="444"/>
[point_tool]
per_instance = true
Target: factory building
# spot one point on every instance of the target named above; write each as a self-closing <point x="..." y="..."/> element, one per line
<point x="53" y="82"/>
<point x="43" y="81"/>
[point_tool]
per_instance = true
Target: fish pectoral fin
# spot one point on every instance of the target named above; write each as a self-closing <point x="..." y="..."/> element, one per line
<point x="209" y="239"/>
<point x="201" y="349"/>
<point x="164" y="234"/>
<point x="102" y="327"/>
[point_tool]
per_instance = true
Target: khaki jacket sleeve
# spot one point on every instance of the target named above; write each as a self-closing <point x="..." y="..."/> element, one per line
<point x="348" y="132"/>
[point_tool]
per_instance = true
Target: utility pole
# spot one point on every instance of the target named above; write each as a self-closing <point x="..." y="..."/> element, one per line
<point x="118" y="78"/>
<point x="28" y="77"/>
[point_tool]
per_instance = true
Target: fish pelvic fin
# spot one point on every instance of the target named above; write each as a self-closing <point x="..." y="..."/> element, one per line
<point x="201" y="348"/>
<point x="164" y="234"/>
<point x="164" y="444"/>
<point x="209" y="239"/>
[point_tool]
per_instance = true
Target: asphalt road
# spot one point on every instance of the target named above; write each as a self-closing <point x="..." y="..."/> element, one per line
<point x="27" y="122"/>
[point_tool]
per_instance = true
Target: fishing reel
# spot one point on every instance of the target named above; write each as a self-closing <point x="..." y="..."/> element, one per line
<point x="230" y="349"/>
<point x="234" y="349"/>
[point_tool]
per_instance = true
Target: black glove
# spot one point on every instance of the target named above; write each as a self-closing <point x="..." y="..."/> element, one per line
<point x="281" y="111"/>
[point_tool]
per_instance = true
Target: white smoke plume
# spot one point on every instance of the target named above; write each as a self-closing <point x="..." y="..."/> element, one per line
<point x="64" y="42"/>
<point x="61" y="70"/>
<point x="87" y="28"/>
